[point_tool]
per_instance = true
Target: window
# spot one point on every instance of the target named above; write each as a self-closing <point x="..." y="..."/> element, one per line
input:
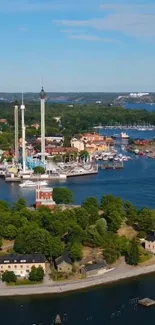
<point x="15" y="266"/>
<point x="60" y="268"/>
<point x="21" y="266"/>
<point x="27" y="271"/>
<point x="9" y="267"/>
<point x="1" y="266"/>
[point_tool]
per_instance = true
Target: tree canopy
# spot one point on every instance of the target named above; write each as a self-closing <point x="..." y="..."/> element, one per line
<point x="94" y="224"/>
<point x="62" y="195"/>
<point x="36" y="274"/>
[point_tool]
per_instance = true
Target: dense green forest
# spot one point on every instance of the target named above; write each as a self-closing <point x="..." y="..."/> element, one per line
<point x="94" y="224"/>
<point x="74" y="120"/>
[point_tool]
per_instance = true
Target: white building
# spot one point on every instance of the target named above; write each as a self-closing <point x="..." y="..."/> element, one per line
<point x="77" y="144"/>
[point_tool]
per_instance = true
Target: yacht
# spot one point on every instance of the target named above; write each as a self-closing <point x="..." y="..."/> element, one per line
<point x="33" y="184"/>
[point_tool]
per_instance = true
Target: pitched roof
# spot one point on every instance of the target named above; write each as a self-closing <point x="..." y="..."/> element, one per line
<point x="20" y="259"/>
<point x="150" y="238"/>
<point x="97" y="266"/>
<point x="64" y="258"/>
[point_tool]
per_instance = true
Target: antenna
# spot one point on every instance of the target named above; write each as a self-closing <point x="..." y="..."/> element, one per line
<point x="42" y="81"/>
<point x="22" y="98"/>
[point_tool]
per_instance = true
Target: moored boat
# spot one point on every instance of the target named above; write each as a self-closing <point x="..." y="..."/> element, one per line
<point x="29" y="183"/>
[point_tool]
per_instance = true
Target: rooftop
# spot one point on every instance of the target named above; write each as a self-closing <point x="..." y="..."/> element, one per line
<point x="20" y="259"/>
<point x="97" y="266"/>
<point x="150" y="238"/>
<point x="64" y="258"/>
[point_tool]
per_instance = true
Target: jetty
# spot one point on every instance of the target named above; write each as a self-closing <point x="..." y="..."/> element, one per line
<point x="146" y="302"/>
<point x="114" y="165"/>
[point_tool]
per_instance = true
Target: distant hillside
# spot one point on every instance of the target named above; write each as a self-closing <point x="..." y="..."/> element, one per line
<point x="64" y="97"/>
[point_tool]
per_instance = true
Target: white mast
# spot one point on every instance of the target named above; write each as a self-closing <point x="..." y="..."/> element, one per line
<point x="42" y="98"/>
<point x="22" y="107"/>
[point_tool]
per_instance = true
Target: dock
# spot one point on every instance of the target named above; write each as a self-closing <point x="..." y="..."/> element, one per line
<point x="114" y="165"/>
<point x="146" y="302"/>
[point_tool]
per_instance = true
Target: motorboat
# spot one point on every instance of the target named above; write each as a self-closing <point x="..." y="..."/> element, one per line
<point x="124" y="135"/>
<point x="29" y="183"/>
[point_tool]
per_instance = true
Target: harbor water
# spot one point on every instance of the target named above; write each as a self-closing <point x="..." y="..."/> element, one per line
<point x="110" y="304"/>
<point x="135" y="183"/>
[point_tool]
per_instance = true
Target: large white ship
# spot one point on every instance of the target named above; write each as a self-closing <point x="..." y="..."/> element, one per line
<point x="33" y="184"/>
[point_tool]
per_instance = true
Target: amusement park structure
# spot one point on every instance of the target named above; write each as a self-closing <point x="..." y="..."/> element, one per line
<point x="42" y="98"/>
<point x="22" y="107"/>
<point x="52" y="170"/>
<point x="16" y="132"/>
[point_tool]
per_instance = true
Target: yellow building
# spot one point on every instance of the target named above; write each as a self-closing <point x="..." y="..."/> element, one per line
<point x="21" y="265"/>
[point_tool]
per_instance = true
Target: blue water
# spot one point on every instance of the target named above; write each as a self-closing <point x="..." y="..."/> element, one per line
<point x="148" y="107"/>
<point x="107" y="305"/>
<point x="135" y="183"/>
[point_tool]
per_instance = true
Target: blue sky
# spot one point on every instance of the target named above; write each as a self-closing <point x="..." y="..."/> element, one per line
<point x="77" y="45"/>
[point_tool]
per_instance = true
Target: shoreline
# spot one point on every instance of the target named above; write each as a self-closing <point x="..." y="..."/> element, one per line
<point x="59" y="288"/>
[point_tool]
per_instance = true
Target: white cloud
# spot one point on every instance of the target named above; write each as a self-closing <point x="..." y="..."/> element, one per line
<point x="93" y="38"/>
<point x="135" y="20"/>
<point x="23" y="29"/>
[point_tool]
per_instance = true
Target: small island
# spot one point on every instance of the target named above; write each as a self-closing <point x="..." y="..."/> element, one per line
<point x="73" y="247"/>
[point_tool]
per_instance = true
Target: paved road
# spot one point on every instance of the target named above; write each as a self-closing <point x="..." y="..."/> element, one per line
<point x="121" y="272"/>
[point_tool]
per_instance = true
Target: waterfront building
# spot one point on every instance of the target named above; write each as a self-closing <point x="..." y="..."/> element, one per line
<point x="96" y="147"/>
<point x="94" y="269"/>
<point x="44" y="197"/>
<point x="60" y="150"/>
<point x="92" y="137"/>
<point x="77" y="144"/>
<point x="150" y="243"/>
<point x="64" y="263"/>
<point x="21" y="265"/>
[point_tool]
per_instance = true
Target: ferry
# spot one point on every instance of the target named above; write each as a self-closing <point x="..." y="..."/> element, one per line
<point x="33" y="184"/>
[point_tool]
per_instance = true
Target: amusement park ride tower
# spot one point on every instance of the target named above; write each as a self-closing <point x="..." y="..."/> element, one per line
<point x="22" y="107"/>
<point x="42" y="98"/>
<point x="16" y="132"/>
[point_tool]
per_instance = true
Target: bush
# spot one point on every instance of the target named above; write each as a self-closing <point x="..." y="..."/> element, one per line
<point x="9" y="276"/>
<point x="39" y="170"/>
<point x="36" y="274"/>
<point x="141" y="234"/>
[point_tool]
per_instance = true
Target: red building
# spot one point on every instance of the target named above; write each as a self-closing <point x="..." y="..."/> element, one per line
<point x="61" y="150"/>
<point x="44" y="197"/>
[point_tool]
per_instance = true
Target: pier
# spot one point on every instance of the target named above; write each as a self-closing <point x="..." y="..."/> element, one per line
<point x="146" y="302"/>
<point x="114" y="165"/>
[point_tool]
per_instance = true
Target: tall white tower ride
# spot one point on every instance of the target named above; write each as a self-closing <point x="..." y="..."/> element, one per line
<point x="16" y="132"/>
<point x="22" y="107"/>
<point x="42" y="98"/>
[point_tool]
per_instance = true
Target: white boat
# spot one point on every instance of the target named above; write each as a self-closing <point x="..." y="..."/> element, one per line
<point x="105" y="158"/>
<point x="124" y="135"/>
<point x="33" y="184"/>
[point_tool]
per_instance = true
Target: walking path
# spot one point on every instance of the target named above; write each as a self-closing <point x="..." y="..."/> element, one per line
<point x="121" y="272"/>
